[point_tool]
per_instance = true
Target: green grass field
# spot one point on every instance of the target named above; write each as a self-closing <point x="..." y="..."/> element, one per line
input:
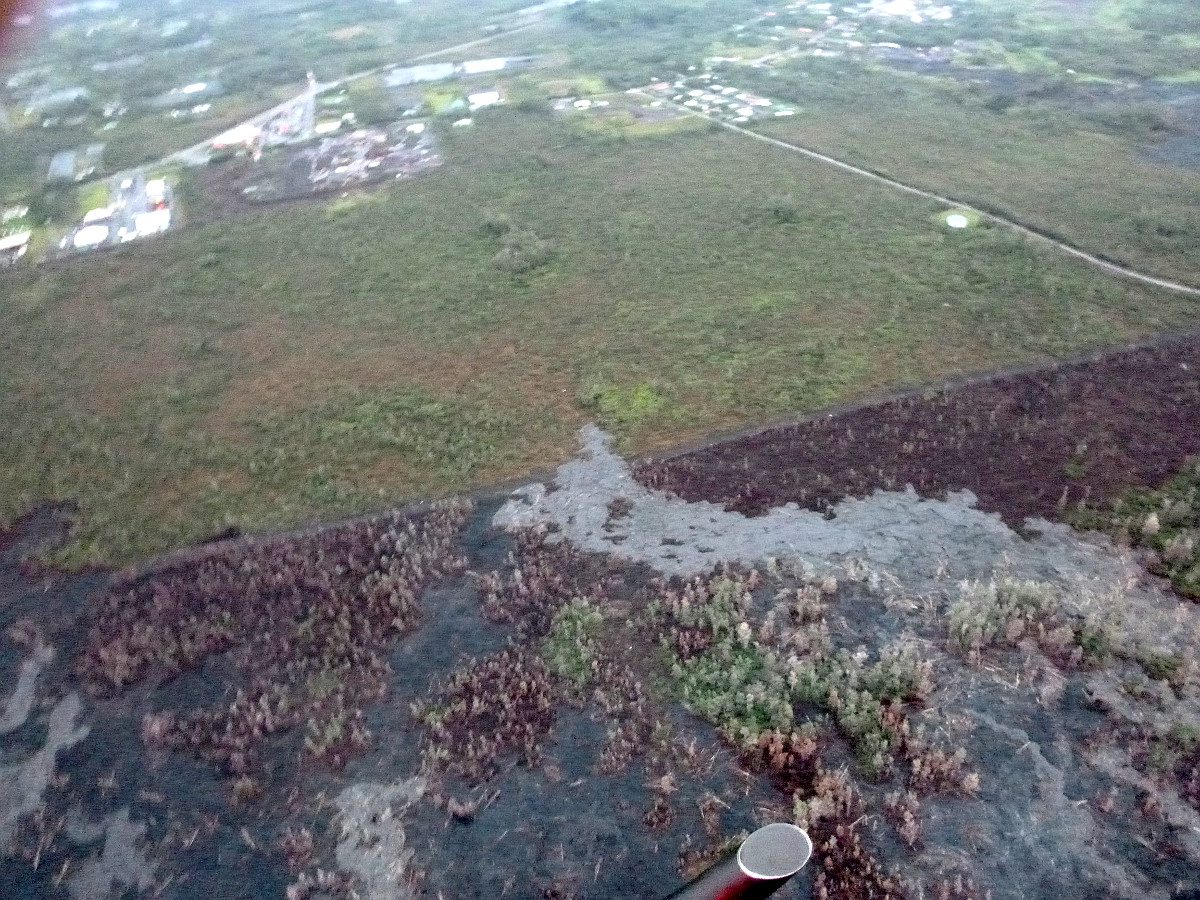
<point x="315" y="360"/>
<point x="1050" y="168"/>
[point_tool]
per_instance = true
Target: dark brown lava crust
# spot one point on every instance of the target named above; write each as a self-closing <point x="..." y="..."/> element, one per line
<point x="1026" y="444"/>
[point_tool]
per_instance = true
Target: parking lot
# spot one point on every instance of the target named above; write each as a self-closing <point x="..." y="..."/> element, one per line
<point x="138" y="207"/>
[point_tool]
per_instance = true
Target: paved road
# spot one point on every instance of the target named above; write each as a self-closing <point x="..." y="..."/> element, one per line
<point x="467" y="46"/>
<point x="197" y="154"/>
<point x="1103" y="265"/>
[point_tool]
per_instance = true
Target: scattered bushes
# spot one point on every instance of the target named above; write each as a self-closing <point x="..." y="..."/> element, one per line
<point x="624" y="700"/>
<point x="845" y="868"/>
<point x="1005" y="611"/>
<point x="497" y="224"/>
<point x="521" y="250"/>
<point x="1164" y="521"/>
<point x="996" y="612"/>
<point x="570" y="649"/>
<point x="626" y="406"/>
<point x="722" y="673"/>
<point x="306" y="620"/>
<point x="783" y="210"/>
<point x="1172" y="668"/>
<point x="901" y="810"/>
<point x="858" y="695"/>
<point x="791" y="759"/>
<point x="488" y="709"/>
<point x="553" y="594"/>
<point x="1169" y="754"/>
<point x="297" y="847"/>
<point x="737" y="678"/>
<point x="541" y="578"/>
<point x="957" y="886"/>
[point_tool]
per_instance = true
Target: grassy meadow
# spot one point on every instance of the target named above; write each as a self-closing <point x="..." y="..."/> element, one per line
<point x="1088" y="181"/>
<point x="455" y="330"/>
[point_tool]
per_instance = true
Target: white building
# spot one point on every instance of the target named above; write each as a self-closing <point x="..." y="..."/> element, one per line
<point x="242" y="134"/>
<point x="154" y="222"/>
<point x="14" y="246"/>
<point x="90" y="236"/>
<point x="482" y="99"/>
<point x="479" y="66"/>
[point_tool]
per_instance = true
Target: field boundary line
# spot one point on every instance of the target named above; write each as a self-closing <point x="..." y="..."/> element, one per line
<point x="475" y="43"/>
<point x="1091" y="259"/>
<point x="1163" y="340"/>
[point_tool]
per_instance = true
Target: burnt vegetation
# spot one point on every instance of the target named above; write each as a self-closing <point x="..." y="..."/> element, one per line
<point x="304" y="622"/>
<point x="751" y="673"/>
<point x="489" y="709"/>
<point x="1031" y="444"/>
<point x="754" y="655"/>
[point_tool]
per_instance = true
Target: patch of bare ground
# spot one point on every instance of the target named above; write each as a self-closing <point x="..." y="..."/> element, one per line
<point x="215" y="193"/>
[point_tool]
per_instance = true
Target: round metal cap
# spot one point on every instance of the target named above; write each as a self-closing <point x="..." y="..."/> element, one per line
<point x="774" y="851"/>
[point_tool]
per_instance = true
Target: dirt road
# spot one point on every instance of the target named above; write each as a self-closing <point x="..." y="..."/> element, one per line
<point x="1091" y="259"/>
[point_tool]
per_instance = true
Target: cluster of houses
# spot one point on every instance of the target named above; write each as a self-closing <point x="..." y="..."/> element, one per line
<point x="138" y="208"/>
<point x="719" y="101"/>
<point x="835" y="29"/>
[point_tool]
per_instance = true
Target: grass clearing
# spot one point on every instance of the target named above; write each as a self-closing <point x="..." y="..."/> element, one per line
<point x="93" y="196"/>
<point x="294" y="365"/>
<point x="443" y="100"/>
<point x="1042" y="166"/>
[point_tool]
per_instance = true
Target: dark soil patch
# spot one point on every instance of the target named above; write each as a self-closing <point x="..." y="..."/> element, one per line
<point x="215" y="193"/>
<point x="1025" y="444"/>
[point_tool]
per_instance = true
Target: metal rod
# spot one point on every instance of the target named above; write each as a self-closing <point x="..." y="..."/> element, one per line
<point x="764" y="863"/>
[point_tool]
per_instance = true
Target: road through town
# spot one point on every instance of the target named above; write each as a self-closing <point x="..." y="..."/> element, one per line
<point x="1097" y="262"/>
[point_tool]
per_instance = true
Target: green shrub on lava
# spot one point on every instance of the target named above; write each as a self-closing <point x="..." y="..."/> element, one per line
<point x="734" y="682"/>
<point x="737" y="686"/>
<point x="858" y="695"/>
<point x="1170" y="753"/>
<point x="570" y="650"/>
<point x="996" y="612"/>
<point x="1161" y="666"/>
<point x="739" y="679"/>
<point x="1164" y="521"/>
